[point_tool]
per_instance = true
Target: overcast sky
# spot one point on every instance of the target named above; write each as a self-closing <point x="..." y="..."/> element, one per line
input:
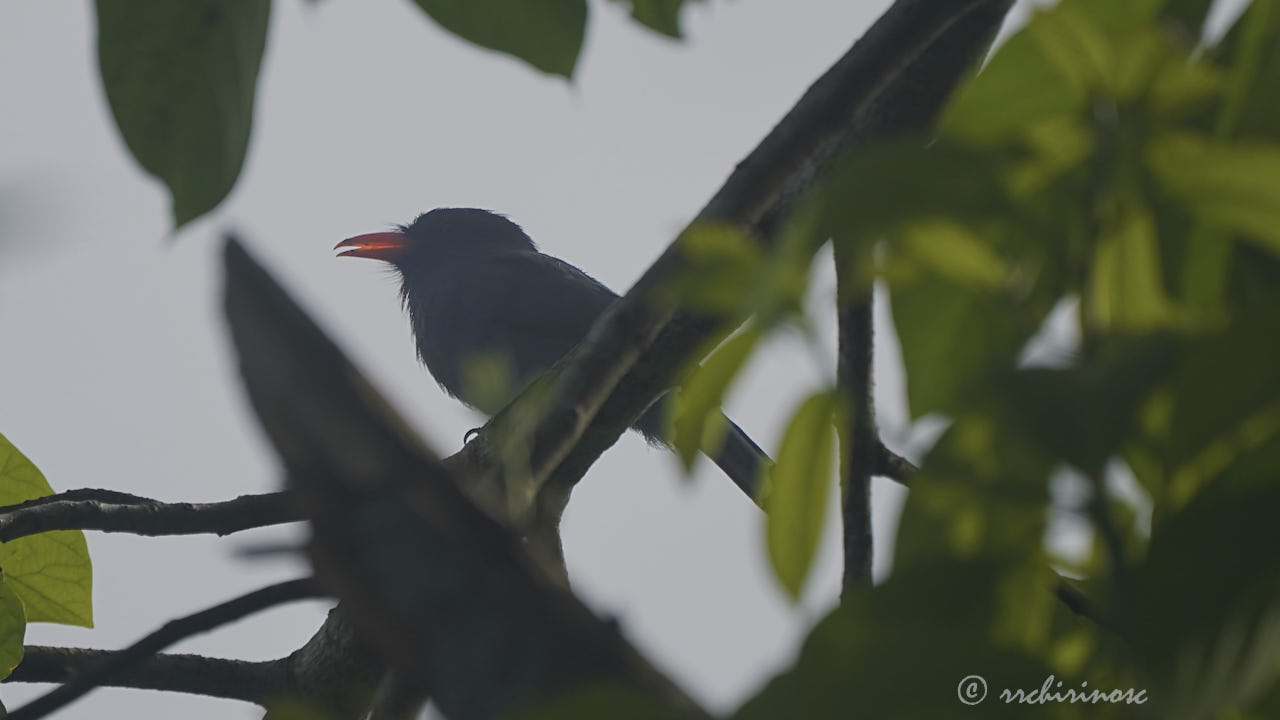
<point x="115" y="369"/>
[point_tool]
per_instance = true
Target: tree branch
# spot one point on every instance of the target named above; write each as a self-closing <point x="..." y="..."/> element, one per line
<point x="193" y="674"/>
<point x="893" y="466"/>
<point x="452" y="600"/>
<point x="112" y="665"/>
<point x="111" y="511"/>
<point x="901" y="108"/>
<point x="899" y="72"/>
<point x="859" y="437"/>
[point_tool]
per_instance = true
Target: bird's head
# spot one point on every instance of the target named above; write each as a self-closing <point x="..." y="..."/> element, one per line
<point x="437" y="237"/>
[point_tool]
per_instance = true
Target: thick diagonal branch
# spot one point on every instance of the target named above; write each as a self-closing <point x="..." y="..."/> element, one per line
<point x="449" y="595"/>
<point x="897" y="75"/>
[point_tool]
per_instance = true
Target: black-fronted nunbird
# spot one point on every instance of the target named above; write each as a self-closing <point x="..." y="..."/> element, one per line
<point x="477" y="289"/>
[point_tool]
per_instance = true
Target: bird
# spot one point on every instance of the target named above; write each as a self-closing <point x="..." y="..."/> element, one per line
<point x="478" y="291"/>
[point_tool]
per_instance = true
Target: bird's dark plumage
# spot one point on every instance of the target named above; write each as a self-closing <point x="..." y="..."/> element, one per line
<point x="478" y="291"/>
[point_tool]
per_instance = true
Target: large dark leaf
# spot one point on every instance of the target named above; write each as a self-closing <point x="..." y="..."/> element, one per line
<point x="546" y="34"/>
<point x="918" y="646"/>
<point x="660" y="15"/>
<point x="180" y="78"/>
<point x="1253" y="102"/>
<point x="1206" y="619"/>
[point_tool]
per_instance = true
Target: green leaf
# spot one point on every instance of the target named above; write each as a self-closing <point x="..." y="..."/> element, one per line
<point x="1214" y="426"/>
<point x="950" y="251"/>
<point x="180" y="78"/>
<point x="660" y="15"/>
<point x="954" y="340"/>
<point x="1253" y="99"/>
<point x="796" y="494"/>
<point x="612" y="701"/>
<point x="697" y="423"/>
<point x="720" y="263"/>
<point x="1230" y="186"/>
<point x="1211" y="575"/>
<point x="1126" y="288"/>
<point x="726" y="274"/>
<point x="903" y="649"/>
<point x="981" y="492"/>
<point x="50" y="571"/>
<point x="13" y="627"/>
<point x="1190" y="14"/>
<point x="876" y="189"/>
<point x="547" y="35"/>
<point x="489" y="379"/>
<point x="1022" y="86"/>
<point x="1178" y="86"/>
<point x="1084" y="415"/>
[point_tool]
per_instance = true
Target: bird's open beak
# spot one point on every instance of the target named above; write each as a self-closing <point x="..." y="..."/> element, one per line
<point x="388" y="246"/>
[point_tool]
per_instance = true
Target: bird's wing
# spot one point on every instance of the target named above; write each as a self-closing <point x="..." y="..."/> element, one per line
<point x="521" y="310"/>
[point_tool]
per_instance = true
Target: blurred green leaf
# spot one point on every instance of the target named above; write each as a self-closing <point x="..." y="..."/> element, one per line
<point x="1190" y="14"/>
<point x="660" y="15"/>
<point x="1206" y="615"/>
<point x="13" y="627"/>
<point x="1117" y="20"/>
<point x="1179" y="83"/>
<point x="180" y="79"/>
<point x="727" y="274"/>
<point x="902" y="649"/>
<point x="50" y="571"/>
<point x="949" y="251"/>
<point x="1253" y="98"/>
<point x="720" y="265"/>
<point x="489" y="379"/>
<point x="795" y="497"/>
<point x="548" y="34"/>
<point x="1072" y="37"/>
<point x="876" y="189"/>
<point x="1085" y="415"/>
<point x="1265" y="707"/>
<point x="698" y="422"/>
<point x="1019" y="88"/>
<point x="597" y="702"/>
<point x="1233" y="187"/>
<point x="1054" y="149"/>
<point x="981" y="492"/>
<point x="1227" y="401"/>
<point x="954" y="341"/>
<point x="1126" y="287"/>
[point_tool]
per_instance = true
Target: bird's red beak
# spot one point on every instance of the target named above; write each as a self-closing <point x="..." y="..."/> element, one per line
<point x="388" y="246"/>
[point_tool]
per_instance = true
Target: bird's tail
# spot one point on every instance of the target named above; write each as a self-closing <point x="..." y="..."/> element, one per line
<point x="742" y="460"/>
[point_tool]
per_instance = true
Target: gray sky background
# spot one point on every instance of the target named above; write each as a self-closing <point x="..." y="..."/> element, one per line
<point x="115" y="370"/>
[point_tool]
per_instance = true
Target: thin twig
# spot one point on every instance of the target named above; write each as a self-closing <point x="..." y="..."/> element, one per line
<point x="111" y="511"/>
<point x="185" y="673"/>
<point x="860" y="439"/>
<point x="171" y="632"/>
<point x="893" y="466"/>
